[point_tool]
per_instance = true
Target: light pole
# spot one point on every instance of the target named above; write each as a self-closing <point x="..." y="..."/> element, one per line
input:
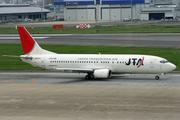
<point x="131" y="11"/>
<point x="41" y="10"/>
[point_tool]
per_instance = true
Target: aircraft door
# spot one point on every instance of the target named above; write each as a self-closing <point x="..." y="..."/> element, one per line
<point x="160" y="67"/>
<point x="43" y="62"/>
<point x="151" y="63"/>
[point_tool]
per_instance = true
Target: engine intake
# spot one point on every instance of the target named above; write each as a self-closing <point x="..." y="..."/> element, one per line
<point x="102" y="73"/>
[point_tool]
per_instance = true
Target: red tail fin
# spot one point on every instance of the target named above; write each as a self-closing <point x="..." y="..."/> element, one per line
<point x="26" y="40"/>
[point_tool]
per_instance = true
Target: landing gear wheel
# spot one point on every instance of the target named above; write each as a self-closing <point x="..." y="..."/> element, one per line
<point x="92" y="76"/>
<point x="87" y="77"/>
<point x="157" y="77"/>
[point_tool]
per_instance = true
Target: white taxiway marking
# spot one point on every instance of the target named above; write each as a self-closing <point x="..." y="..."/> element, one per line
<point x="10" y="38"/>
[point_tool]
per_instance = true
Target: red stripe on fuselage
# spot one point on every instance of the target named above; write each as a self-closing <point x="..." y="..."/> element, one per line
<point x="141" y="62"/>
<point x="26" y="40"/>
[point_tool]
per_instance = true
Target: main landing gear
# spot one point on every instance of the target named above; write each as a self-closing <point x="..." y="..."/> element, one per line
<point x="157" y="77"/>
<point x="89" y="76"/>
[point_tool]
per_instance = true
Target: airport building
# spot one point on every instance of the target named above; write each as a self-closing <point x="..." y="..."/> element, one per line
<point x="77" y="10"/>
<point x="10" y="12"/>
<point x="159" y="13"/>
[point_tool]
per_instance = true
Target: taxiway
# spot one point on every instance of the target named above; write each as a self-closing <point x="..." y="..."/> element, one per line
<point x="163" y="40"/>
<point x="59" y="96"/>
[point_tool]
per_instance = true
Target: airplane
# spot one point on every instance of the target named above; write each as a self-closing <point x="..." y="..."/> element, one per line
<point x="95" y="65"/>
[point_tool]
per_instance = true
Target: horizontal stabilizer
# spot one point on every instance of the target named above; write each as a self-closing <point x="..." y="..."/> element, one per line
<point x="18" y="56"/>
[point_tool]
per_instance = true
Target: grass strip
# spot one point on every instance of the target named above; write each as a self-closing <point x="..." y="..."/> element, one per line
<point x="7" y="63"/>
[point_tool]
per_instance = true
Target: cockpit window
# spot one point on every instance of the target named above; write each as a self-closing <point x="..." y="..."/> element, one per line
<point x="164" y="61"/>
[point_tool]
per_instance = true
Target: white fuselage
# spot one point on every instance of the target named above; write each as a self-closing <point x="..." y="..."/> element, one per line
<point x="95" y="65"/>
<point x="144" y="64"/>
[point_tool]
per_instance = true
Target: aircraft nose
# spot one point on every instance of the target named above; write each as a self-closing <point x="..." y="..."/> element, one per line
<point x="172" y="66"/>
<point x="168" y="67"/>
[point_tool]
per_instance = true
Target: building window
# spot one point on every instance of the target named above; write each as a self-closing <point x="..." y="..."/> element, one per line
<point x="97" y="2"/>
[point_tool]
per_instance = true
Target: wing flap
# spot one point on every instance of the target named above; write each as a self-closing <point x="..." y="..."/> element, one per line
<point x="77" y="70"/>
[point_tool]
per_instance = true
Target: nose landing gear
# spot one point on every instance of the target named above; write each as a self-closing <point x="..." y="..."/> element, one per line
<point x="157" y="76"/>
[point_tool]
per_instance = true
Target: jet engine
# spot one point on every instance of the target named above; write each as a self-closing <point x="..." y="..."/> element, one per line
<point x="102" y="73"/>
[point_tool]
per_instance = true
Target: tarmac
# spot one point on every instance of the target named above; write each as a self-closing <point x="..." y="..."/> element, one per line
<point x="158" y="40"/>
<point x="59" y="96"/>
<point x="44" y="95"/>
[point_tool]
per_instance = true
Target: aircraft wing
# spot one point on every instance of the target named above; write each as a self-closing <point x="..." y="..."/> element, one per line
<point x="76" y="70"/>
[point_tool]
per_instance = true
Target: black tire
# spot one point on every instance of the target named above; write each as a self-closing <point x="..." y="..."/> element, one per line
<point x="92" y="76"/>
<point x="157" y="77"/>
<point x="87" y="77"/>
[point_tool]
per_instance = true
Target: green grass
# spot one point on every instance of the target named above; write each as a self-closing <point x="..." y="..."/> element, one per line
<point x="101" y="29"/>
<point x="7" y="63"/>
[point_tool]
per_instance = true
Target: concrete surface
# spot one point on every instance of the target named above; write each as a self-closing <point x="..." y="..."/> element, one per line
<point x="53" y="96"/>
<point x="167" y="40"/>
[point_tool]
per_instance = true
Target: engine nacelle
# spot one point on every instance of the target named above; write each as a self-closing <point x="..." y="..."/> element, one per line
<point x="102" y="73"/>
